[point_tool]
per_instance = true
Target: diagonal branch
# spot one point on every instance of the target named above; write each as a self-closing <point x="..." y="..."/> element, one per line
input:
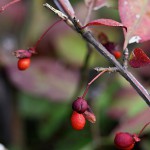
<point x="124" y="72"/>
<point x="87" y="35"/>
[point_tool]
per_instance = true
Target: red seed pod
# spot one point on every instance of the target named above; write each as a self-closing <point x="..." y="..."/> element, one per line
<point x="80" y="105"/>
<point x="23" y="63"/>
<point x="77" y="121"/>
<point x="125" y="141"/>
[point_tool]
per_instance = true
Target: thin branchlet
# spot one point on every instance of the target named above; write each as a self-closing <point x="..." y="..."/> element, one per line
<point x="8" y="5"/>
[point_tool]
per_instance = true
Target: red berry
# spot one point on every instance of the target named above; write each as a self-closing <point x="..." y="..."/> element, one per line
<point x="77" y="121"/>
<point x="23" y="63"/>
<point x="124" y="141"/>
<point x="117" y="54"/>
<point x="80" y="105"/>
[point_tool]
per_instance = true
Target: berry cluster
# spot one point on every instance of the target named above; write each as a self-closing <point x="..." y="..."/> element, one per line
<point x="81" y="111"/>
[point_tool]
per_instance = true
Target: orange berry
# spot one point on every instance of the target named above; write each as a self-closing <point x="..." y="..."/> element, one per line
<point x="117" y="54"/>
<point x="77" y="121"/>
<point x="23" y="63"/>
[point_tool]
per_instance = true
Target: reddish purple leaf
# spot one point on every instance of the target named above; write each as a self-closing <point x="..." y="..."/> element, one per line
<point x="138" y="58"/>
<point x="105" y="22"/>
<point x="134" y="123"/>
<point x="100" y="3"/>
<point x="46" y="78"/>
<point x="135" y="15"/>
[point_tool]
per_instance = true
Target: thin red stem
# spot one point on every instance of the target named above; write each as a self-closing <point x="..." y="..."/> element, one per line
<point x="87" y="88"/>
<point x="37" y="43"/>
<point x="9" y="4"/>
<point x="89" y="12"/>
<point x="143" y="129"/>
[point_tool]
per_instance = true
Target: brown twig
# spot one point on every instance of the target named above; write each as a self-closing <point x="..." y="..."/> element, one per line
<point x="124" y="72"/>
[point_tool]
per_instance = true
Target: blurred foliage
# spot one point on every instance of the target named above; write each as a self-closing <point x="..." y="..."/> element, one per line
<point x="42" y="95"/>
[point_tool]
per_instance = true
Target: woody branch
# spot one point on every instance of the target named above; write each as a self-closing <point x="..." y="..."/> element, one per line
<point x="88" y="37"/>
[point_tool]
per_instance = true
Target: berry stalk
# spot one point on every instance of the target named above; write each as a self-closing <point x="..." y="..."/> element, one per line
<point x="143" y="129"/>
<point x="42" y="36"/>
<point x="9" y="4"/>
<point x="87" y="88"/>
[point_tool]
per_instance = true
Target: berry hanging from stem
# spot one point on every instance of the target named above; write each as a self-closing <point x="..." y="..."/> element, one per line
<point x="126" y="141"/>
<point x="43" y="35"/>
<point x="87" y="88"/>
<point x="81" y="107"/>
<point x="23" y="63"/>
<point x="21" y="54"/>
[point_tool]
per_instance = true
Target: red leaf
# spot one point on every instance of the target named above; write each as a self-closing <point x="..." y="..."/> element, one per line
<point x="105" y="22"/>
<point x="43" y="78"/>
<point x="135" y="15"/>
<point x="134" y="123"/>
<point x="138" y="58"/>
<point x="100" y="3"/>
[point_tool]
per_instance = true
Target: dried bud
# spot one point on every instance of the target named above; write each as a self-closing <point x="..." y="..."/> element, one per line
<point x="89" y="115"/>
<point x="21" y="53"/>
<point x="80" y="105"/>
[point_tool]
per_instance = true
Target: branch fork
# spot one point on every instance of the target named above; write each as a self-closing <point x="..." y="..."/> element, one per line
<point x="121" y="68"/>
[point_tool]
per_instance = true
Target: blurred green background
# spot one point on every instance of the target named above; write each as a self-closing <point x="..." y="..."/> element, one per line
<point x="35" y="105"/>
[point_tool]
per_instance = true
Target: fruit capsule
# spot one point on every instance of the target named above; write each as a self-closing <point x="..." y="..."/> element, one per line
<point x="124" y="141"/>
<point x="80" y="105"/>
